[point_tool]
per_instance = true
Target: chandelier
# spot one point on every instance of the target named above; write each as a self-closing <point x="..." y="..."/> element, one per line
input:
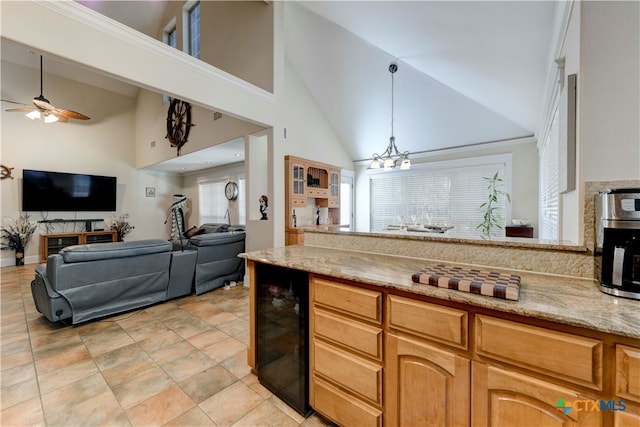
<point x="391" y="157"/>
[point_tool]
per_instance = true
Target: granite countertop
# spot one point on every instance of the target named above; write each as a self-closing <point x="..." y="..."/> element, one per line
<point x="571" y="301"/>
<point x="454" y="236"/>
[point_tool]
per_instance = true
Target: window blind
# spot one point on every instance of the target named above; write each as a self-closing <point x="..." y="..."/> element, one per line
<point x="442" y="196"/>
<point x="549" y="198"/>
<point x="213" y="203"/>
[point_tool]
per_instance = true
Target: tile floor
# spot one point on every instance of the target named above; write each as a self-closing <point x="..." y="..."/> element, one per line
<point x="180" y="363"/>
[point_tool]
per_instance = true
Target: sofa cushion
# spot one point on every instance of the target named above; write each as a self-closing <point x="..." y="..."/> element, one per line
<point x="93" y="252"/>
<point x="215" y="239"/>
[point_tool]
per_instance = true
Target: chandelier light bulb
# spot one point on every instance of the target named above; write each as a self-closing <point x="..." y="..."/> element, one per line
<point x="50" y="118"/>
<point x="33" y="115"/>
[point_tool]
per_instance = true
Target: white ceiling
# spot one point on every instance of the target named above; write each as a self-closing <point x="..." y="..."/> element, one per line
<point x="469" y="71"/>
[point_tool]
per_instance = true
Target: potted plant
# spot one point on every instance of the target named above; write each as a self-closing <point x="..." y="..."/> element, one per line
<point x="16" y="235"/>
<point x="491" y="218"/>
<point x="122" y="227"/>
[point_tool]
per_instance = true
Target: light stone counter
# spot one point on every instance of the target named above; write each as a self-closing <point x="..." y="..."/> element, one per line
<point x="566" y="300"/>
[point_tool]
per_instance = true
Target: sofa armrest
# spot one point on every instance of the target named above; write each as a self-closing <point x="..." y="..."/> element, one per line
<point x="94" y="252"/>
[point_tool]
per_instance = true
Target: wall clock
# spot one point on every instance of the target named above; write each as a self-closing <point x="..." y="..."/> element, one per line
<point x="178" y="123"/>
<point x="231" y="190"/>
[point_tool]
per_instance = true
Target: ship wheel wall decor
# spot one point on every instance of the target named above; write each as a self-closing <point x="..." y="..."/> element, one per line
<point x="178" y="123"/>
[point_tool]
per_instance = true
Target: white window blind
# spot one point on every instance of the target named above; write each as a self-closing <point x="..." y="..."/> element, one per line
<point x="213" y="203"/>
<point x="442" y="196"/>
<point x="549" y="198"/>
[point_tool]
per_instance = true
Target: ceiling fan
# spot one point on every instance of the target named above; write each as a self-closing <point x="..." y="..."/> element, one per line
<point x="43" y="109"/>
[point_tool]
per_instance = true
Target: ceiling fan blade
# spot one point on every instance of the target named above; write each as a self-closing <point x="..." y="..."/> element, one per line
<point x="22" y="110"/>
<point x="61" y="118"/>
<point x="14" y="102"/>
<point x="70" y="114"/>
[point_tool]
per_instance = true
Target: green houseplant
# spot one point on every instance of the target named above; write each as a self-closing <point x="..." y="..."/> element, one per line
<point x="491" y="218"/>
<point x="16" y="235"/>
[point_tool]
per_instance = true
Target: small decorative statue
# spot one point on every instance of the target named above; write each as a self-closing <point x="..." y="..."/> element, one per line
<point x="317" y="215"/>
<point x="264" y="207"/>
<point x="177" y="216"/>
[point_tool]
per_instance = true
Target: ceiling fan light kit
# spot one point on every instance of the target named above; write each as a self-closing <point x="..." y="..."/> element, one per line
<point x="391" y="157"/>
<point x="44" y="110"/>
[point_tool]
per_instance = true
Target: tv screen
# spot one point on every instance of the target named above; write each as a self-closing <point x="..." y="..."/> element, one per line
<point x="57" y="191"/>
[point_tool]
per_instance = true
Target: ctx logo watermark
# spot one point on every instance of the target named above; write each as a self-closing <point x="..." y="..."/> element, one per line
<point x="586" y="405"/>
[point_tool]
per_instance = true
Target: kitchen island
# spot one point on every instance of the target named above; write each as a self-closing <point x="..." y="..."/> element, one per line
<point x="386" y="350"/>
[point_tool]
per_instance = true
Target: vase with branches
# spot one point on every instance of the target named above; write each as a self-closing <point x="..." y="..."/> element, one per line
<point x="16" y="235"/>
<point x="491" y="218"/>
<point x="121" y="226"/>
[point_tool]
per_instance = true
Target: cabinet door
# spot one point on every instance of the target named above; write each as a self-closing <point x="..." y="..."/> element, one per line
<point x="504" y="398"/>
<point x="425" y="385"/>
<point x="298" y="179"/>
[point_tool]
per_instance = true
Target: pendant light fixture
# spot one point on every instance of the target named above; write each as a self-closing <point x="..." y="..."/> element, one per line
<point x="391" y="157"/>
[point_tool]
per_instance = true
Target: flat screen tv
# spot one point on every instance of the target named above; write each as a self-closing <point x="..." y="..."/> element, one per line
<point x="67" y="192"/>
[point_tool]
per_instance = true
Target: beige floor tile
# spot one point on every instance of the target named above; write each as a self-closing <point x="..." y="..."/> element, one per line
<point x="106" y="340"/>
<point x="161" y="408"/>
<point x="133" y="319"/>
<point x="292" y="413"/>
<point x="237" y="364"/>
<point x="19" y="392"/>
<point x="152" y="328"/>
<point x="172" y="352"/>
<point x="231" y="404"/>
<point x="252" y="382"/>
<point x="219" y="318"/>
<point x="17" y="345"/>
<point x="193" y="417"/>
<point x="140" y="388"/>
<point x="128" y="370"/>
<point x="157" y="342"/>
<point x="102" y="409"/>
<point x="14" y="360"/>
<point x="187" y="325"/>
<point x="185" y="367"/>
<point x="71" y="355"/>
<point x="200" y="308"/>
<point x="205" y="384"/>
<point x="120" y="355"/>
<point x="224" y="349"/>
<point x="28" y="413"/>
<point x="208" y="338"/>
<point x="17" y="375"/>
<point x="67" y="375"/>
<point x="235" y="327"/>
<point x="265" y="415"/>
<point x="73" y="394"/>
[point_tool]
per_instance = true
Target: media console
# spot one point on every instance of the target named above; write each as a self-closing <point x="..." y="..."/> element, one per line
<point x="54" y="242"/>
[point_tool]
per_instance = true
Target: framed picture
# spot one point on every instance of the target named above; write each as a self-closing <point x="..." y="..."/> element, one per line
<point x="151" y="191"/>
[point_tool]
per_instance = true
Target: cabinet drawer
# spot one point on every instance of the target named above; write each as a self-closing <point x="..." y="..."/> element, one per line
<point x="443" y="324"/>
<point x="357" y="336"/>
<point x="571" y="357"/>
<point x="628" y="372"/>
<point x="362" y="377"/>
<point x="298" y="202"/>
<point x="358" y="302"/>
<point x="317" y="192"/>
<point x="342" y="408"/>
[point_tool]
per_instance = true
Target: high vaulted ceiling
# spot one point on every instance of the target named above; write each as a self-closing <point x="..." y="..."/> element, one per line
<point x="470" y="72"/>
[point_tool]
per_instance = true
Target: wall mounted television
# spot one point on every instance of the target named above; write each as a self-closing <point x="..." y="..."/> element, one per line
<point x="67" y="192"/>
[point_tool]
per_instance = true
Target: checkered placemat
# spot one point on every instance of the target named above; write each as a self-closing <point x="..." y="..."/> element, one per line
<point x="489" y="283"/>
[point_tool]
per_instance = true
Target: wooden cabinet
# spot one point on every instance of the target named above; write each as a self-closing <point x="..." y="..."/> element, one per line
<point x="425" y="385"/>
<point x="53" y="243"/>
<point x="345" y="357"/>
<point x="505" y="398"/>
<point x="309" y="184"/>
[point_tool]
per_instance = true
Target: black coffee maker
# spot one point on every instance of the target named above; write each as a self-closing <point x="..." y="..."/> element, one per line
<point x="618" y="238"/>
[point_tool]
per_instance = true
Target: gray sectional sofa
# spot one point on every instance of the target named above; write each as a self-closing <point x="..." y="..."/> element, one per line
<point x="86" y="282"/>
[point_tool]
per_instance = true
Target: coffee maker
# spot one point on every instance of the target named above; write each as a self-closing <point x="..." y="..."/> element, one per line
<point x="618" y="239"/>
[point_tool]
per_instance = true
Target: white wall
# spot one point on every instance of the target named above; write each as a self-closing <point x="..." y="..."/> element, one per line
<point x="104" y="145"/>
<point x="610" y="90"/>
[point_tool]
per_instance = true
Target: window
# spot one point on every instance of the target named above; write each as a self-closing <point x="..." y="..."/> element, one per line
<point x="439" y="194"/>
<point x="213" y="203"/>
<point x="194" y="31"/>
<point x="242" y="204"/>
<point x="549" y="198"/>
<point x="346" y="199"/>
<point x="171" y="38"/>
